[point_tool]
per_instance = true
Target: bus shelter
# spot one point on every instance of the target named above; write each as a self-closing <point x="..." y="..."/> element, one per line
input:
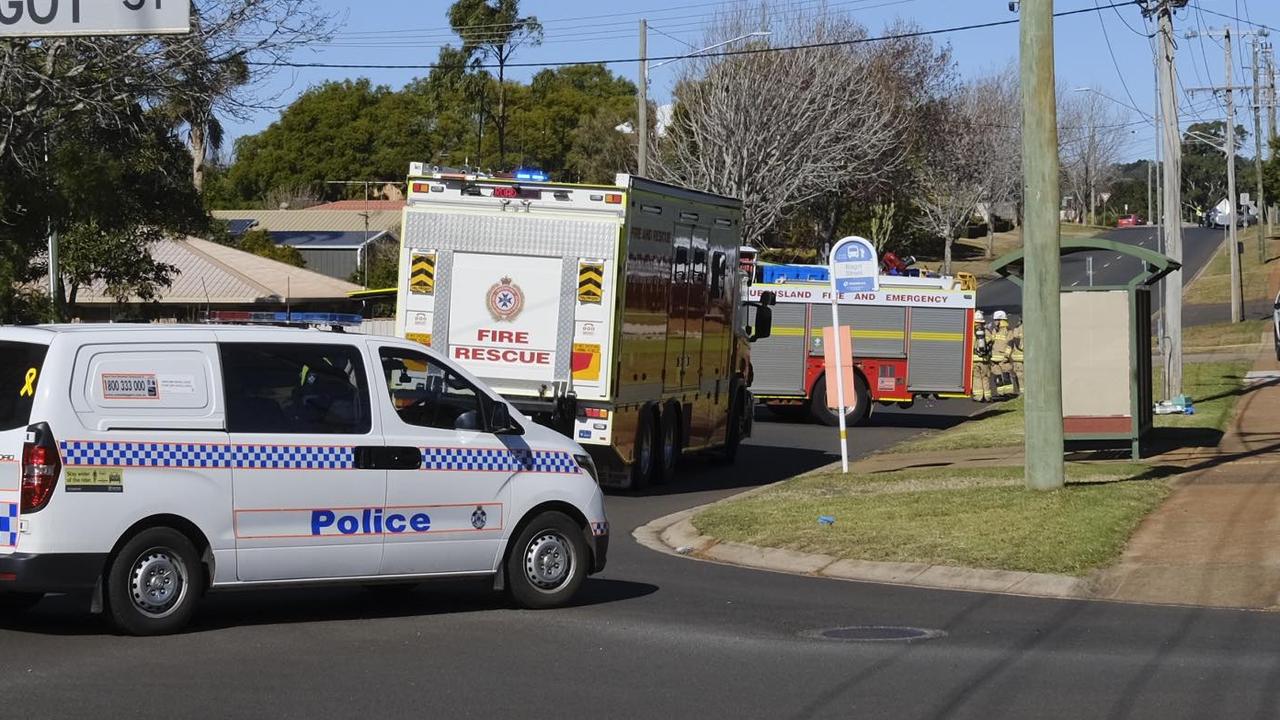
<point x="1106" y="346"/>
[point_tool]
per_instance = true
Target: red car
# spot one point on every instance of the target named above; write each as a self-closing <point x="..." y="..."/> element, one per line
<point x="1128" y="221"/>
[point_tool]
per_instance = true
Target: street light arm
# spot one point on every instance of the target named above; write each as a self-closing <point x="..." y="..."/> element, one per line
<point x="758" y="33"/>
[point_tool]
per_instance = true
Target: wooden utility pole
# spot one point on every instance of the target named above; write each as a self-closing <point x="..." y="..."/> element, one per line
<point x="642" y="97"/>
<point x="1041" y="302"/>
<point x="1260" y="202"/>
<point x="1172" y="193"/>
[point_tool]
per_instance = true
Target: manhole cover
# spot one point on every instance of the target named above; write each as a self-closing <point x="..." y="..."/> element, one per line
<point x="875" y="633"/>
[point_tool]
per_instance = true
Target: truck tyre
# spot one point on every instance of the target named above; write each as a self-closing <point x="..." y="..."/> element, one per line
<point x="644" y="455"/>
<point x="854" y="415"/>
<point x="548" y="562"/>
<point x="16" y="602"/>
<point x="154" y="582"/>
<point x="668" y="446"/>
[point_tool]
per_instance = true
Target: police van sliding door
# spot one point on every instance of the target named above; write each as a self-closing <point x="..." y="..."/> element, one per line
<point x="300" y="424"/>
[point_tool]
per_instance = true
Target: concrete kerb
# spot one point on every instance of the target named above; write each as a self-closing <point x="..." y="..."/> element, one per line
<point x="676" y="535"/>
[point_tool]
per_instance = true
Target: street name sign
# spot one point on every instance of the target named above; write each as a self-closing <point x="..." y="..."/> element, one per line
<point x="41" y="18"/>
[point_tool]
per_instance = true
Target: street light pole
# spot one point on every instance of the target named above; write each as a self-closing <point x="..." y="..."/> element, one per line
<point x="642" y="97"/>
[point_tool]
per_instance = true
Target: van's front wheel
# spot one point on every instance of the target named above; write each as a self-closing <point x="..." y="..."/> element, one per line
<point x="154" y="582"/>
<point x="548" y="562"/>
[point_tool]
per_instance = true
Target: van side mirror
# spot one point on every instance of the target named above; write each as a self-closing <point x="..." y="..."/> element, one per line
<point x="500" y="420"/>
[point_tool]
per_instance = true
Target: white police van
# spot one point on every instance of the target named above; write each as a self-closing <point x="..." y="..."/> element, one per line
<point x="146" y="464"/>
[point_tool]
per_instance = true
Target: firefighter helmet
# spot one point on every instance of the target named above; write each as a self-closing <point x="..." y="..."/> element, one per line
<point x="978" y="316"/>
<point x="1000" y="315"/>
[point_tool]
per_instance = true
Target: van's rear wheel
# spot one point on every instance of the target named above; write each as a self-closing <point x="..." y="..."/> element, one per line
<point x="154" y="582"/>
<point x="547" y="562"/>
<point x="16" y="602"/>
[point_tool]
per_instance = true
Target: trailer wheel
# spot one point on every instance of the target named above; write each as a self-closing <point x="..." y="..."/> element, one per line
<point x="668" y="446"/>
<point x="853" y="416"/>
<point x="643" y="461"/>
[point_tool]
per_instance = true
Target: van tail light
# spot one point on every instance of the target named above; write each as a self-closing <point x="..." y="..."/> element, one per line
<point x="41" y="466"/>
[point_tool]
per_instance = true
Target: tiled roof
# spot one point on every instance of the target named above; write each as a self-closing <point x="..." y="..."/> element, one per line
<point x="213" y="273"/>
<point x="359" y="205"/>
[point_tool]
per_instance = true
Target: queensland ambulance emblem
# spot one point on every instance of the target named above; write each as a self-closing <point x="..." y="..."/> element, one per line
<point x="479" y="518"/>
<point x="506" y="300"/>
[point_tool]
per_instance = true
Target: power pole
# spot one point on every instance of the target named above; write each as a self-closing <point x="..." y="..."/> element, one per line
<point x="1260" y="202"/>
<point x="1042" y="305"/>
<point x="1172" y="194"/>
<point x="1228" y="149"/>
<point x="642" y="97"/>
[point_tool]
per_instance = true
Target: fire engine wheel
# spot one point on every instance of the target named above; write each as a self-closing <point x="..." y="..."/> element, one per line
<point x="643" y="460"/>
<point x="668" y="446"/>
<point x="853" y="416"/>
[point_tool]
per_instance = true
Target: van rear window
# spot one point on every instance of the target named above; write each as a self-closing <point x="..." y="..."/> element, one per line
<point x="20" y="365"/>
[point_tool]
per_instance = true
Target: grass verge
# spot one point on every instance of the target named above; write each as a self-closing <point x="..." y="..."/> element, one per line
<point x="1222" y="336"/>
<point x="1213" y="386"/>
<point x="1214" y="284"/>
<point x="974" y="517"/>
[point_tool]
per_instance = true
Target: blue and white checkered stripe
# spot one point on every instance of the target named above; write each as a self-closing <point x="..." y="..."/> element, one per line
<point x="303" y="457"/>
<point x="208" y="455"/>
<point x="499" y="460"/>
<point x="8" y="524"/>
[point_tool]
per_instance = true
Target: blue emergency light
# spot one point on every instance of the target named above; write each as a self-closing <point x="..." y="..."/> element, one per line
<point x="267" y="317"/>
<point x="532" y="175"/>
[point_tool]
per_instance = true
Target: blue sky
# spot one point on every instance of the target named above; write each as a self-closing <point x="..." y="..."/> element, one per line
<point x="411" y="32"/>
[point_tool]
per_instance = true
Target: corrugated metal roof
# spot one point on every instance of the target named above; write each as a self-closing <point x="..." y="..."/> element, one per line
<point x="326" y="240"/>
<point x="316" y="220"/>
<point x="213" y="273"/>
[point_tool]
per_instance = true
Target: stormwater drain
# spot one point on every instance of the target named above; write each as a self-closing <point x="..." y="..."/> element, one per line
<point x="875" y="633"/>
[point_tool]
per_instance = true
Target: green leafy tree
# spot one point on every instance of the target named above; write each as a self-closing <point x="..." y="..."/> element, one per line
<point x="492" y="30"/>
<point x="259" y="243"/>
<point x="1204" y="165"/>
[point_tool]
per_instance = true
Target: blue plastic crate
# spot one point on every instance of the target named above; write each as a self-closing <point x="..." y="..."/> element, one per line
<point x="771" y="274"/>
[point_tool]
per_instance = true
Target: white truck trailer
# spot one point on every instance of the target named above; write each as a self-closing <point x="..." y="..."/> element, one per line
<point x="614" y="314"/>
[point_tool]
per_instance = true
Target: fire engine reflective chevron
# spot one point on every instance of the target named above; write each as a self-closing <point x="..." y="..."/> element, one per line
<point x="590" y="282"/>
<point x="422" y="274"/>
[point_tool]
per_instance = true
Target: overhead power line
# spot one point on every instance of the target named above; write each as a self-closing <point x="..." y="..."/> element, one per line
<point x="1264" y="26"/>
<point x="722" y="53"/>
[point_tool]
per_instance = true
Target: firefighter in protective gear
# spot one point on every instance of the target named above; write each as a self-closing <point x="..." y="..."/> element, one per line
<point x="1015" y="356"/>
<point x="1001" y="359"/>
<point x="981" y="359"/>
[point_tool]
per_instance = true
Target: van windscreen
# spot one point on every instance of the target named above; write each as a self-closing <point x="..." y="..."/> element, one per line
<point x="20" y="365"/>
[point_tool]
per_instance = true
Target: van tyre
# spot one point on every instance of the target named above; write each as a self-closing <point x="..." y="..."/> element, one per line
<point x="853" y="416"/>
<point x="16" y="602"/>
<point x="154" y="583"/>
<point x="548" y="562"/>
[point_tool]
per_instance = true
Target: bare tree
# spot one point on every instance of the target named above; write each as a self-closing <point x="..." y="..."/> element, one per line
<point x="965" y="163"/>
<point x="45" y="82"/>
<point x="779" y="128"/>
<point x="1092" y="134"/>
<point x="1002" y="166"/>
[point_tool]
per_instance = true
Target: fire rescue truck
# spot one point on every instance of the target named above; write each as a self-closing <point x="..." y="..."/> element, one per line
<point x="912" y="338"/>
<point x="613" y="313"/>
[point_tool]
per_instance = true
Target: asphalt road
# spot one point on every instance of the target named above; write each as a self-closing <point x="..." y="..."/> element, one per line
<point x="656" y="636"/>
<point x="1198" y="247"/>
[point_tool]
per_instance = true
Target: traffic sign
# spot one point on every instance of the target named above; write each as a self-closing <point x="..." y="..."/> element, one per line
<point x="41" y="18"/>
<point x="854" y="266"/>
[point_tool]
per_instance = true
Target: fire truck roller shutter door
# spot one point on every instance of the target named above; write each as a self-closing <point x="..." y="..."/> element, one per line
<point x="937" y="350"/>
<point x="878" y="331"/>
<point x="779" y="360"/>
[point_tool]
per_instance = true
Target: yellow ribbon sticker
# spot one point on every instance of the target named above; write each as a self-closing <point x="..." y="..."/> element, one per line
<point x="29" y="389"/>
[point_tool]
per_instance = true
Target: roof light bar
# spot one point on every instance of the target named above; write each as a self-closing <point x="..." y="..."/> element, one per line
<point x="262" y="317"/>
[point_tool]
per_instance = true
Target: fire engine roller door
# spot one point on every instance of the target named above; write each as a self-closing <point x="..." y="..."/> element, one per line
<point x="779" y="360"/>
<point x="878" y="331"/>
<point x="448" y="231"/>
<point x="937" y="358"/>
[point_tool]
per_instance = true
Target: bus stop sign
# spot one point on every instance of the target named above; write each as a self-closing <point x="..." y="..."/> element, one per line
<point x="854" y="266"/>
